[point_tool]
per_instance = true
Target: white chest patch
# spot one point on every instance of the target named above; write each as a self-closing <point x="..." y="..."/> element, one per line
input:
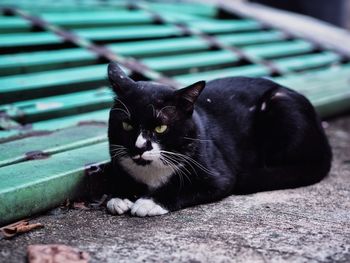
<point x="154" y="174"/>
<point x="151" y="175"/>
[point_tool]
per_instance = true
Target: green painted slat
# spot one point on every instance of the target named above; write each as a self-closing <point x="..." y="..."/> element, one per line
<point x="320" y="81"/>
<point x="37" y="185"/>
<point x="100" y="116"/>
<point x="28" y="39"/>
<point x="27" y="86"/>
<point x="98" y="18"/>
<point x="38" y="10"/>
<point x="68" y="121"/>
<point x="129" y="32"/>
<point x="45" y="60"/>
<point x="159" y="46"/>
<point x="185" y="7"/>
<point x="307" y="61"/>
<point x="279" y="49"/>
<point x="251" y="38"/>
<point x="63" y="5"/>
<point x="334" y="104"/>
<point x="57" y="106"/>
<point x="190" y="60"/>
<point x="314" y="76"/>
<point x="221" y="26"/>
<point x="328" y="89"/>
<point x="13" y="24"/>
<point x="8" y="133"/>
<point x="60" y="141"/>
<point x="250" y="70"/>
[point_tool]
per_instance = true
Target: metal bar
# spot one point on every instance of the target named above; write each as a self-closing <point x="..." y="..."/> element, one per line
<point x="99" y="50"/>
<point x="244" y="10"/>
<point x="212" y="40"/>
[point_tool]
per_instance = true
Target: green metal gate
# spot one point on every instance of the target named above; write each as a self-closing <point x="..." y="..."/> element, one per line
<point x="54" y="97"/>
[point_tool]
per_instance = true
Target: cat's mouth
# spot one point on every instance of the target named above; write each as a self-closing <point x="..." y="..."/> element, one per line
<point x="140" y="161"/>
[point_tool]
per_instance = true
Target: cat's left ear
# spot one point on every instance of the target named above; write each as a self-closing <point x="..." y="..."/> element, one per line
<point x="186" y="97"/>
<point x="120" y="82"/>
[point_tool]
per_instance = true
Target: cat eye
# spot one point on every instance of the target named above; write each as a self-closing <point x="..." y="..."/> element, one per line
<point x="161" y="128"/>
<point x="127" y="126"/>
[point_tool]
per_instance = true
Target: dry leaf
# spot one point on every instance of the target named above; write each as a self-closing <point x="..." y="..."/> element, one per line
<point x="19" y="227"/>
<point x="56" y="253"/>
<point x="80" y="205"/>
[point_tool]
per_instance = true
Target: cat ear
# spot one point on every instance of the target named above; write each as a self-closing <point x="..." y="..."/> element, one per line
<point x="186" y="97"/>
<point x="120" y="82"/>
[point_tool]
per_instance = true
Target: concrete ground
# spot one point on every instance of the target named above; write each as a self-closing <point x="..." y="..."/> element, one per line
<point x="310" y="224"/>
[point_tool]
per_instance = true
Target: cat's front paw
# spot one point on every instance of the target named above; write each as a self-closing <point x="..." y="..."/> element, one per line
<point x="119" y="206"/>
<point x="147" y="207"/>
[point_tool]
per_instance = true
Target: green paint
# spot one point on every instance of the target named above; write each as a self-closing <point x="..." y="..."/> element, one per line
<point x="251" y="70"/>
<point x="56" y="106"/>
<point x="60" y="141"/>
<point x="187" y="61"/>
<point x="129" y="32"/>
<point x="13" y="24"/>
<point x="39" y="84"/>
<point x="37" y="185"/>
<point x="28" y="39"/>
<point x="307" y="61"/>
<point x="278" y="49"/>
<point x="45" y="60"/>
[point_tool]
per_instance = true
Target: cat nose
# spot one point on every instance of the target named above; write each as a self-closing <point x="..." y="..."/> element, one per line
<point x="142" y="145"/>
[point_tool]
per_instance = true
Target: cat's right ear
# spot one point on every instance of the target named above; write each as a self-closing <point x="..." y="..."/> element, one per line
<point x="120" y="82"/>
<point x="187" y="97"/>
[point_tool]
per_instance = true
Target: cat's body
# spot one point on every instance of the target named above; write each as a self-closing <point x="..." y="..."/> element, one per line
<point x="243" y="135"/>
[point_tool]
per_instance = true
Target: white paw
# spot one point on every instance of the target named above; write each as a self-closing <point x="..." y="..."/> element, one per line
<point x="119" y="206"/>
<point x="147" y="207"/>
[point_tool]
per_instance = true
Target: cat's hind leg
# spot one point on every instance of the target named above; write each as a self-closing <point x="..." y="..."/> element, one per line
<point x="292" y="146"/>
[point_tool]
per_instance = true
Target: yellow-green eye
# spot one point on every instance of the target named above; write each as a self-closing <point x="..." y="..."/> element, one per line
<point x="127" y="126"/>
<point x="161" y="128"/>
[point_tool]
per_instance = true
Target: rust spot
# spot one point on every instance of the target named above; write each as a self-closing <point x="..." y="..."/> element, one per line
<point x="92" y="168"/>
<point x="36" y="155"/>
<point x="97" y="123"/>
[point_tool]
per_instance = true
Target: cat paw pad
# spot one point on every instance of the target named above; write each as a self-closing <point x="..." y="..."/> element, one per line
<point x="147" y="207"/>
<point x="119" y="206"/>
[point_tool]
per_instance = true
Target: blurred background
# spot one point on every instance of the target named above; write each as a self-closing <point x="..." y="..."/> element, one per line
<point x="336" y="12"/>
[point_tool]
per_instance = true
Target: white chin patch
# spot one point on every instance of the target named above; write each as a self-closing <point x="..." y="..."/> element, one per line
<point x="147" y="207"/>
<point x="154" y="174"/>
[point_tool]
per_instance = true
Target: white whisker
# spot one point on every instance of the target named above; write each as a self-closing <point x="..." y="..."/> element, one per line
<point x="126" y="108"/>
<point x="160" y="111"/>
<point x="194" y="139"/>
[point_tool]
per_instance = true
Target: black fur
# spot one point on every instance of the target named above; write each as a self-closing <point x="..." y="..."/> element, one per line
<point x="244" y="134"/>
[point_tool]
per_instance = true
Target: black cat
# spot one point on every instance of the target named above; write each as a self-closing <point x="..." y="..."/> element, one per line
<point x="172" y="149"/>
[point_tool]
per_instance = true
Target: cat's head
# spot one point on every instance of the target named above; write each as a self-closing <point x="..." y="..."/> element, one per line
<point x="150" y="122"/>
